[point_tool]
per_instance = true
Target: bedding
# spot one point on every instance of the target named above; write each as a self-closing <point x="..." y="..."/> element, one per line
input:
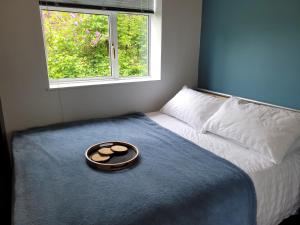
<point x="192" y="107"/>
<point x="295" y="146"/>
<point x="175" y="181"/>
<point x="267" y="130"/>
<point x="277" y="185"/>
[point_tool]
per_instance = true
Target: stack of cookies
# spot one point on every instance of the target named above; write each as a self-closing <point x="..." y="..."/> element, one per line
<point x="105" y="153"/>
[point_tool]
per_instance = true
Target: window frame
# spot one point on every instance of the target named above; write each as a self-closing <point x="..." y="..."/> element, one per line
<point x="113" y="47"/>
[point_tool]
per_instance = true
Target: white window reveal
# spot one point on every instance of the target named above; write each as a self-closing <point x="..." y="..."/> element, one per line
<point x="97" y="41"/>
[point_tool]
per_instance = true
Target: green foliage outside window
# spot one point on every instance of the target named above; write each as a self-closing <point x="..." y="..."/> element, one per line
<point x="133" y="44"/>
<point x="77" y="44"/>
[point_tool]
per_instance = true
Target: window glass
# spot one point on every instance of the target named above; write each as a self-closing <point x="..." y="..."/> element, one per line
<point x="83" y="44"/>
<point x="132" y="44"/>
<point x="77" y="44"/>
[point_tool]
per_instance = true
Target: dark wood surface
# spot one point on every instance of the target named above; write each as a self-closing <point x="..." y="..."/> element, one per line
<point x="293" y="220"/>
<point x="5" y="175"/>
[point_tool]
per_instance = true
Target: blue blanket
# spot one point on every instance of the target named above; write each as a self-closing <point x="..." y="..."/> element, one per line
<point x="175" y="181"/>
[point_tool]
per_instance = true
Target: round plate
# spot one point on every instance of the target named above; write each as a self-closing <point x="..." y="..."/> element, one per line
<point x="117" y="161"/>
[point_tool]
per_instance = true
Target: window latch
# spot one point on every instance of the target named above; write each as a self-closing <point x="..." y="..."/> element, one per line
<point x="114" y="51"/>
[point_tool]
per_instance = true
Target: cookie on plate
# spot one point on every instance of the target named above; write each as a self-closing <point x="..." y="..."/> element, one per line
<point x="119" y="148"/>
<point x="99" y="158"/>
<point x="105" y="151"/>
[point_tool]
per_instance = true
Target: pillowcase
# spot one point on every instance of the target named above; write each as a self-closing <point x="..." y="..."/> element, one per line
<point x="295" y="146"/>
<point x="192" y="107"/>
<point x="267" y="130"/>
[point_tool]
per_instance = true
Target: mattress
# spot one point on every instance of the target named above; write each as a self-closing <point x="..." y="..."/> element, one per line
<point x="277" y="186"/>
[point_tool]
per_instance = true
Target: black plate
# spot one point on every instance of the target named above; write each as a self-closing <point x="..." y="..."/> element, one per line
<point x="117" y="161"/>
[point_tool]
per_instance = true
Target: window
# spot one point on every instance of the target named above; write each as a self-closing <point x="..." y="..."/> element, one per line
<point x="88" y="44"/>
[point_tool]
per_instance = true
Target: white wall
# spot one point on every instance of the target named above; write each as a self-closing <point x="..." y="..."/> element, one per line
<point x="23" y="82"/>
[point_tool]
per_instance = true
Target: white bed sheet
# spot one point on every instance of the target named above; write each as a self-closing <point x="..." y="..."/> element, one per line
<point x="277" y="186"/>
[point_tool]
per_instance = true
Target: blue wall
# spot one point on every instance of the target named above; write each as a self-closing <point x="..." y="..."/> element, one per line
<point x="251" y="49"/>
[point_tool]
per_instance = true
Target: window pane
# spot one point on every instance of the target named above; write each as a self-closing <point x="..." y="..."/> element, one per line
<point x="77" y="44"/>
<point x="132" y="44"/>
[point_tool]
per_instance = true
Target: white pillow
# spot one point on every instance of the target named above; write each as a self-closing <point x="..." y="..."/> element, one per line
<point x="295" y="146"/>
<point x="192" y="107"/>
<point x="267" y="130"/>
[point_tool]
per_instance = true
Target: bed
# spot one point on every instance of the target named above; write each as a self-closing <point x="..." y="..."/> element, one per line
<point x="194" y="178"/>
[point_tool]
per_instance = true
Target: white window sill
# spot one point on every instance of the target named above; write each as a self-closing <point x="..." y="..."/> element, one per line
<point x="73" y="83"/>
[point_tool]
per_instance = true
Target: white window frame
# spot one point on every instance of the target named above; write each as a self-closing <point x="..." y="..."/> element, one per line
<point x="113" y="50"/>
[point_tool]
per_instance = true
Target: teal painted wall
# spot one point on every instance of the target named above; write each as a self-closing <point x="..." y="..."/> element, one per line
<point x="251" y="49"/>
